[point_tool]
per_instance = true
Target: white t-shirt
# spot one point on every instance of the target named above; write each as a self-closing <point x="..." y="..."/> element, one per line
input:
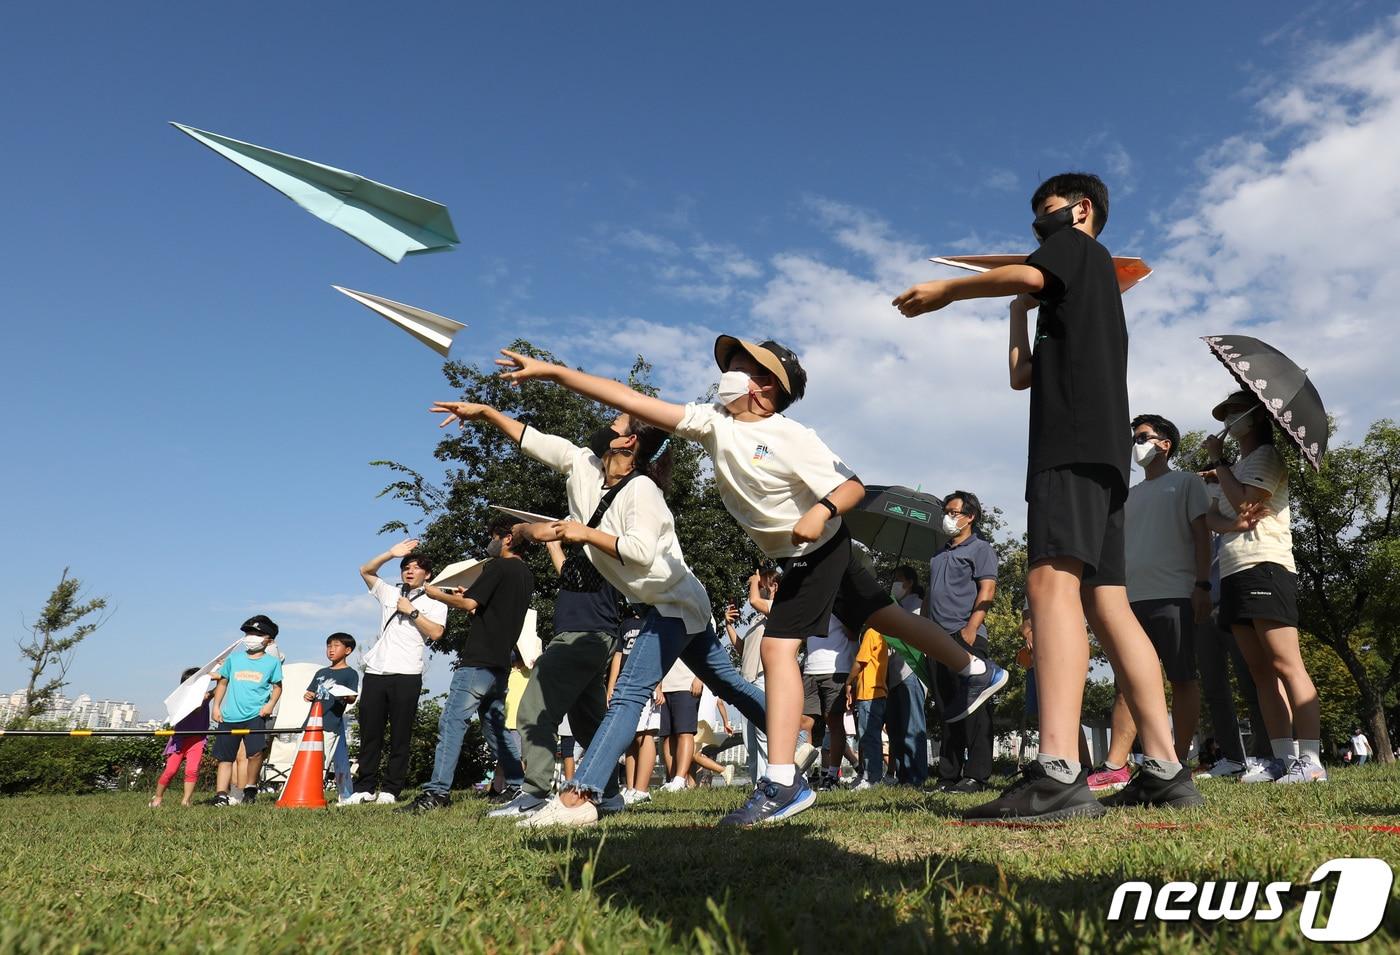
<point x="399" y="648"/>
<point x="649" y="568"/>
<point x="1161" y="550"/>
<point x="1359" y="746"/>
<point x="769" y="473"/>
<point x="678" y="678"/>
<point x="1271" y="541"/>
<point x="751" y="659"/>
<point x="830" y="652"/>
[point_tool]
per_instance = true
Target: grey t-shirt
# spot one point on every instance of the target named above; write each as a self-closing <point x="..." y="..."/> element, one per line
<point x="954" y="573"/>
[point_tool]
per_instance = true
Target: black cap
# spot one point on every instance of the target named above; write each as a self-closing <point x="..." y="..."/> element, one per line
<point x="261" y="625"/>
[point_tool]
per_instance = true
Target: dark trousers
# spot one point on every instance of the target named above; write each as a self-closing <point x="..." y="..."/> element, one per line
<point x="391" y="698"/>
<point x="1216" y="652"/>
<point x="966" y="749"/>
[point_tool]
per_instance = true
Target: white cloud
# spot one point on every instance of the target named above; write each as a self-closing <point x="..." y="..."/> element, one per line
<point x="356" y="613"/>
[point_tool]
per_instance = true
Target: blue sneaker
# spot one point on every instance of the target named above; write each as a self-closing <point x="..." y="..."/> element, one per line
<point x="771" y="802"/>
<point x="975" y="690"/>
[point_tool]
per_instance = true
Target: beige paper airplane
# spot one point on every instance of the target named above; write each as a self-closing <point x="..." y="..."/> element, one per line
<point x="461" y="574"/>
<point x="1130" y="271"/>
<point x="528" y="517"/>
<point x="431" y="329"/>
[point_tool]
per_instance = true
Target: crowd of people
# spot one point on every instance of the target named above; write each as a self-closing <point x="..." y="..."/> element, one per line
<point x="1176" y="576"/>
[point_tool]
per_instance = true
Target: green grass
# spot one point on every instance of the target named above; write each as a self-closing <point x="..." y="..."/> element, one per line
<point x="885" y="870"/>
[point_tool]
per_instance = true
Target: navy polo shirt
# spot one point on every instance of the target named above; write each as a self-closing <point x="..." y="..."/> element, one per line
<point x="954" y="573"/>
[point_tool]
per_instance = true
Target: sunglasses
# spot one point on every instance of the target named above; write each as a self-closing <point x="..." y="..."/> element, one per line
<point x="1144" y="437"/>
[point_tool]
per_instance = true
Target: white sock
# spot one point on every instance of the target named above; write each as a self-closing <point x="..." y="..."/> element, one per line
<point x="975" y="665"/>
<point x="782" y="775"/>
<point x="1283" y="748"/>
<point x="1160" y="768"/>
<point x="1311" y="749"/>
<point x="1108" y="765"/>
<point x="1058" y="768"/>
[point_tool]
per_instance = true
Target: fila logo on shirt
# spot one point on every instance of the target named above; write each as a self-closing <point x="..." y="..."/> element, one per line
<point x="761" y="452"/>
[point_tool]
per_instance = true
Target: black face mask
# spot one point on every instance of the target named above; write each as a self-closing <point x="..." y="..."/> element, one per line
<point x="600" y="441"/>
<point x="1047" y="225"/>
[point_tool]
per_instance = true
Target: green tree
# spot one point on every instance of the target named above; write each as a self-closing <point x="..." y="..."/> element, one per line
<point x="1347" y="546"/>
<point x="485" y="467"/>
<point x="53" y="640"/>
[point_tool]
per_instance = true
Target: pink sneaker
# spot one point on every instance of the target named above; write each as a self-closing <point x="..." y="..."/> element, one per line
<point x="1104" y="778"/>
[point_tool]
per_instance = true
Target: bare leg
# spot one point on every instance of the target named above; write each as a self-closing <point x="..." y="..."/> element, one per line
<point x="1186" y="715"/>
<point x="836" y="736"/>
<point x="668" y="754"/>
<point x="189" y="792"/>
<point x="783" y="687"/>
<point x="255" y="764"/>
<point x="223" y="776"/>
<point x="922" y="633"/>
<point x="646" y="761"/>
<point x="1120" y="747"/>
<point x="1061" y="652"/>
<point x="1278" y="717"/>
<point x="684" y="754"/>
<point x="1139" y="673"/>
<point x="704" y="762"/>
<point x="1281" y="643"/>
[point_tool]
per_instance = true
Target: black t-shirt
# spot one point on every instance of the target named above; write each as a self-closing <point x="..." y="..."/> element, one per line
<point x="630" y="629"/>
<point x="333" y="707"/>
<point x="502" y="594"/>
<point x="586" y="601"/>
<point x="1079" y="368"/>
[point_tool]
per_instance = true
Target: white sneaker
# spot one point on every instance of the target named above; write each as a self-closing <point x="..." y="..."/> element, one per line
<point x="628" y="794"/>
<point x="1223" y="769"/>
<point x="728" y="775"/>
<point x="638" y="797"/>
<point x="676" y="785"/>
<point x="805" y="755"/>
<point x="385" y="799"/>
<point x="863" y="785"/>
<point x="1262" y="770"/>
<point x="555" y="813"/>
<point x="358" y="799"/>
<point x="1302" y="770"/>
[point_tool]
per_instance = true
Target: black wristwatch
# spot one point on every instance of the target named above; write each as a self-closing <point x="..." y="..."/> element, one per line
<point x="413" y="616"/>
<point x="1203" y="585"/>
<point x="824" y="502"/>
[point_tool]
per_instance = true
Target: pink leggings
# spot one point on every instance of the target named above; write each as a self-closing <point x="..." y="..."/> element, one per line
<point x="191" y="750"/>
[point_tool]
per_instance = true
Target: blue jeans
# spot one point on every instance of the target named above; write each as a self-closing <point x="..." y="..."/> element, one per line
<point x="474" y="690"/>
<point x="662" y="641"/>
<point x="870" y="719"/>
<point x="908" y="725"/>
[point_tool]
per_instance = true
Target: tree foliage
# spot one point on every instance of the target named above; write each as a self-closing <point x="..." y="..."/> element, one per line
<point x="484" y="467"/>
<point x="53" y="640"/>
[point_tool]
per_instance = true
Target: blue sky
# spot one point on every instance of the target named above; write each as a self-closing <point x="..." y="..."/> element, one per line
<point x="191" y="408"/>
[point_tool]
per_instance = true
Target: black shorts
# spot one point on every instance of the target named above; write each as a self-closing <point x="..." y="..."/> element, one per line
<point x="823" y="695"/>
<point x="1077" y="511"/>
<point x="1265" y="591"/>
<point x="226" y="747"/>
<point x="1171" y="626"/>
<point x="830" y="579"/>
<point x="680" y="713"/>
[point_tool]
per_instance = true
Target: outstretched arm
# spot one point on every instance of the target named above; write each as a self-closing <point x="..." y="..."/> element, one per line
<point x="994" y="283"/>
<point x="464" y="411"/>
<point x="516" y="368"/>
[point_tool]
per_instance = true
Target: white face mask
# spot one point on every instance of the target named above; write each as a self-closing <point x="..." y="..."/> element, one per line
<point x="898" y="590"/>
<point x="254" y="642"/>
<point x="951" y="526"/>
<point x="732" y="386"/>
<point x="1242" y="425"/>
<point x="1144" y="453"/>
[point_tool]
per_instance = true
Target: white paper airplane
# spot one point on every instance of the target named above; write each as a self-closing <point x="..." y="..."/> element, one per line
<point x="340" y="690"/>
<point x="1130" y="270"/>
<point x="461" y="574"/>
<point x="189" y="695"/>
<point x="528" y="517"/>
<point x="431" y="329"/>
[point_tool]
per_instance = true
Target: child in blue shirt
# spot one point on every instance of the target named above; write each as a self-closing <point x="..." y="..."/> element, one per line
<point x="339" y="673"/>
<point x="250" y="684"/>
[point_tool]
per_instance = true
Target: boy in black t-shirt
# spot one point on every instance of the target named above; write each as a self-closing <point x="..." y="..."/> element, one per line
<point x="339" y="673"/>
<point x="498" y="600"/>
<point x="1076" y="486"/>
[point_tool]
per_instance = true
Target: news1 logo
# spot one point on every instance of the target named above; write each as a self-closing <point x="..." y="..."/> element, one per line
<point x="1358" y="901"/>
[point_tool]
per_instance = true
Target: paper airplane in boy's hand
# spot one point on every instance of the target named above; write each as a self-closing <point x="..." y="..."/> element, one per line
<point x="527" y="516"/>
<point x="339" y="690"/>
<point x="390" y="221"/>
<point x="461" y="574"/>
<point x="431" y="329"/>
<point x="1130" y="271"/>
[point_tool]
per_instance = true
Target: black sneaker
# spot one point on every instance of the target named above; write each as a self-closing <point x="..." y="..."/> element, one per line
<point x="1146" y="789"/>
<point x="963" y="786"/>
<point x="504" y="796"/>
<point x="250" y="795"/>
<point x="426" y="802"/>
<point x="1037" y="797"/>
<point x="220" y="799"/>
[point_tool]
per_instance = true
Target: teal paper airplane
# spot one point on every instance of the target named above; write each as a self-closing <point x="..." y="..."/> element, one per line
<point x="391" y="222"/>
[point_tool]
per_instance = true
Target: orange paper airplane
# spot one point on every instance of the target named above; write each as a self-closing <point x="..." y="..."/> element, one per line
<point x="1130" y="271"/>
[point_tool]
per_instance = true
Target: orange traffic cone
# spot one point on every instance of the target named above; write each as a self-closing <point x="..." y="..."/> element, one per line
<point x="306" y="787"/>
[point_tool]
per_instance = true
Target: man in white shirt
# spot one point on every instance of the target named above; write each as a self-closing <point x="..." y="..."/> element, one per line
<point x="409" y="618"/>
<point x="824" y="672"/>
<point x="1360" y="747"/>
